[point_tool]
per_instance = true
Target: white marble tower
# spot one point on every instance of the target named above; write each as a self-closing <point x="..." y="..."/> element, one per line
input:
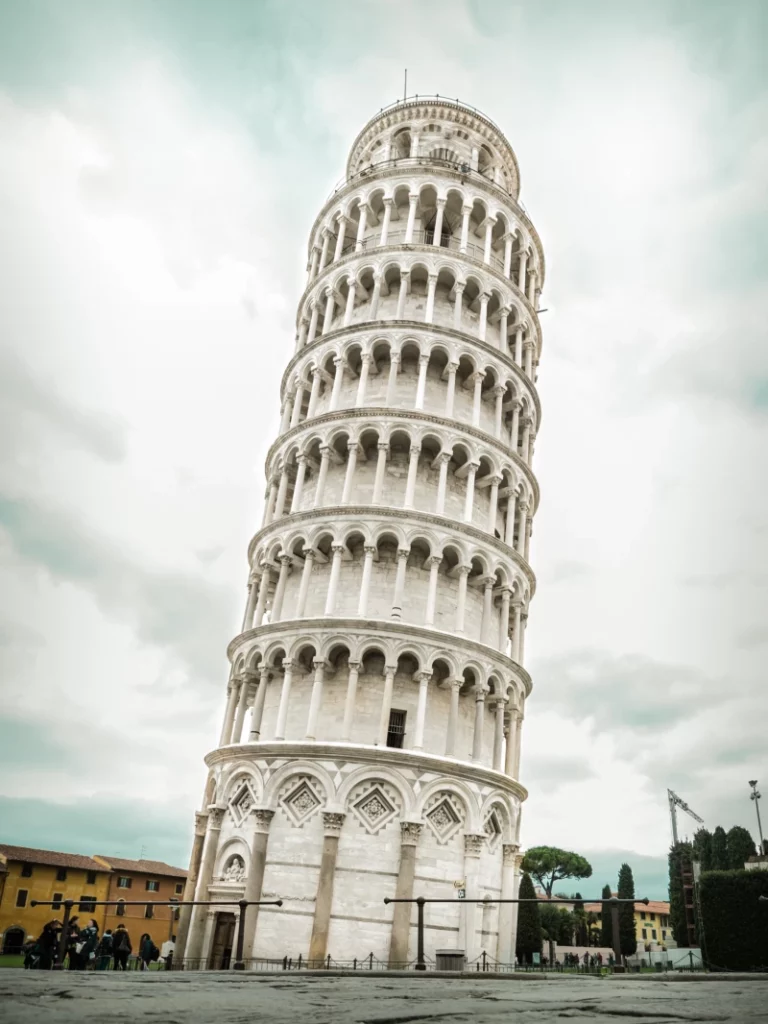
<point x="371" y="738"/>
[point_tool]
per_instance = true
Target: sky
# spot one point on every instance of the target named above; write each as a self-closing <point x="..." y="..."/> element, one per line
<point x="161" y="165"/>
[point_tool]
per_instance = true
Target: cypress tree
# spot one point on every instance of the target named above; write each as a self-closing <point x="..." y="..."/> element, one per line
<point x="741" y="847"/>
<point x="626" y="890"/>
<point x="606" y="928"/>
<point x="702" y="848"/>
<point x="528" y="922"/>
<point x="719" y="850"/>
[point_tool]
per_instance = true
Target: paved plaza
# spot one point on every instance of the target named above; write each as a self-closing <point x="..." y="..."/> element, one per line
<point x="29" y="997"/>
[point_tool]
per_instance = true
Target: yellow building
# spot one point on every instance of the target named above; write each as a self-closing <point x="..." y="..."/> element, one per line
<point x="652" y="925"/>
<point x="29" y="875"/>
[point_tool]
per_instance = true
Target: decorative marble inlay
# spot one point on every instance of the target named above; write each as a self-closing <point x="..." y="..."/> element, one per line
<point x="492" y="829"/>
<point x="444" y="818"/>
<point x="374" y="807"/>
<point x="301" y="801"/>
<point x="241" y="803"/>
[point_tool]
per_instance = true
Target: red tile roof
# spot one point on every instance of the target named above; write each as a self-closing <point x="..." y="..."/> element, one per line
<point x="145" y="867"/>
<point x="27" y="855"/>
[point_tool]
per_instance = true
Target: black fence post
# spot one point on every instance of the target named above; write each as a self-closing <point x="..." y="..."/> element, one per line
<point x="61" y="951"/>
<point x="238" y="965"/>
<point x="420" y="965"/>
<point x="618" y="966"/>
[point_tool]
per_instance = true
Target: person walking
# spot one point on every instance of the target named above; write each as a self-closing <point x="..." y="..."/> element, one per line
<point x="89" y="940"/>
<point x="148" y="951"/>
<point x="47" y="944"/>
<point x="73" y="944"/>
<point x="166" y="952"/>
<point x="121" y="948"/>
<point x="104" y="951"/>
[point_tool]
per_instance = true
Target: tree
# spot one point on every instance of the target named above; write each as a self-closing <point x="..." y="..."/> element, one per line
<point x="606" y="927"/>
<point x="548" y="864"/>
<point x="719" y="850"/>
<point x="702" y="848"/>
<point x="556" y="924"/>
<point x="740" y="846"/>
<point x="580" y="921"/>
<point x="528" y="922"/>
<point x="626" y="890"/>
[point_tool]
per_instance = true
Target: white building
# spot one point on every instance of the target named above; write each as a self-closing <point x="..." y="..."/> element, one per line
<point x="371" y="739"/>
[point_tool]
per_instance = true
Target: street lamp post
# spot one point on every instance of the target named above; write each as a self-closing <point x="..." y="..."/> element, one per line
<point x="755" y="795"/>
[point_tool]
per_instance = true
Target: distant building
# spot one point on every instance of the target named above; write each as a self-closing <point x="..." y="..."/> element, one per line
<point x="133" y="880"/>
<point x="50" y="876"/>
<point x="45" y="875"/>
<point x="652" y="925"/>
<point x="756" y="863"/>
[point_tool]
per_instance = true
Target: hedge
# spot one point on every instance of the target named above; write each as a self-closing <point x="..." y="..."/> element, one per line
<point x="734" y="920"/>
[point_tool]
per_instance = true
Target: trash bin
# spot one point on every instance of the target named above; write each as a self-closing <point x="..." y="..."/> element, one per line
<point x="449" y="960"/>
<point x="659" y="966"/>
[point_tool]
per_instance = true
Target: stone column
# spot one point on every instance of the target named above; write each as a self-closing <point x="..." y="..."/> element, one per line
<point x="333" y="583"/>
<point x="519" y="346"/>
<point x="473" y="846"/>
<point x="517" y="609"/>
<point x="523" y="627"/>
<point x="438" y="222"/>
<point x="326" y="244"/>
<point x="505" y="948"/>
<point x="486" y="622"/>
<point x="386" y="704"/>
<point x="313" y="318"/>
<point x="316" y="699"/>
<point x="287" y="410"/>
<point x="306" y="576"/>
<point x="469" y="499"/>
<point x="442" y="482"/>
<point x="451" y="369"/>
<point x="506" y="595"/>
<point x="365" y="584"/>
<point x="405" y="282"/>
<point x="430" y="310"/>
<point x="434" y="566"/>
<point x="421" y="710"/>
<point x="528" y="532"/>
<point x="490" y="223"/>
<point x="318" y="943"/>
<point x="378" y="482"/>
<point x="361" y="227"/>
<point x="269" y="511"/>
<point x="261" y="604"/>
<point x="338" y="380"/>
<point x="526" y="438"/>
<point x="493" y="505"/>
<point x="330" y="308"/>
<point x="352" y="453"/>
<point x="314" y="393"/>
<point x="477" y="736"/>
<point x="421" y="384"/>
<point x="532" y="287"/>
<point x="190" y="885"/>
<point x="498" y="412"/>
<point x="482" y="324"/>
<point x="515" y="428"/>
<point x="477" y="397"/>
<point x="349" y="705"/>
<point x="518" y="742"/>
<point x="277" y="603"/>
<point x="461" y="600"/>
<point x="507" y="255"/>
<point x="410" y="484"/>
<point x="523" y="512"/>
<point x="375" y="297"/>
<point x="314" y="263"/>
<point x="285" y="699"/>
<point x="394" y="364"/>
<point x="254" y="883"/>
<point x="385" y="222"/>
<point x="521" y="271"/>
<point x="297" y="404"/>
<point x="465" y="212"/>
<point x="498" y="735"/>
<point x="229" y="714"/>
<point x="453" y="718"/>
<point x="205" y="877"/>
<point x="242" y="707"/>
<point x="250" y="604"/>
<point x="257" y="712"/>
<point x="509" y="750"/>
<point x="458" y="293"/>
<point x="410" y="831"/>
<point x="528" y="360"/>
<point x="509" y="534"/>
<point x="282" y="490"/>
<point x="298" y="487"/>
<point x="365" y="365"/>
<point x="340" y="237"/>
<point x="412" y="201"/>
<point x="397" y="600"/>
<point x="322" y="475"/>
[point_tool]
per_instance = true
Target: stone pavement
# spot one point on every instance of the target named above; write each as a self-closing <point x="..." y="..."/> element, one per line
<point x="31" y="997"/>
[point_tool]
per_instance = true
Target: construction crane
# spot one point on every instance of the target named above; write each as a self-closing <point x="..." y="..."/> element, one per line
<point x="674" y="802"/>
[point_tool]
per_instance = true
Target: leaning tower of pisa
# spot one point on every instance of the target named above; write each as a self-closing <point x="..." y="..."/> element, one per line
<point x="371" y="739"/>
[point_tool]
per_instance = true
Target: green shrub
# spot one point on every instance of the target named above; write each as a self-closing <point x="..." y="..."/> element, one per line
<point x="734" y="921"/>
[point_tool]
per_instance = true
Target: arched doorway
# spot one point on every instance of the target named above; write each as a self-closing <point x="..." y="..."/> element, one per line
<point x="13" y="940"/>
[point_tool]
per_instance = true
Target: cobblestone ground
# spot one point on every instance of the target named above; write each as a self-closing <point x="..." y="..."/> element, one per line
<point x="29" y="997"/>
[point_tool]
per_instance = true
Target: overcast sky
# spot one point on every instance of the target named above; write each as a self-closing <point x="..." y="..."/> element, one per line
<point x="161" y="164"/>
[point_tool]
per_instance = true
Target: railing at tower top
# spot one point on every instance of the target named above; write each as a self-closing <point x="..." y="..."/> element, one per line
<point x="425" y="98"/>
<point x="425" y="160"/>
<point x="450" y="242"/>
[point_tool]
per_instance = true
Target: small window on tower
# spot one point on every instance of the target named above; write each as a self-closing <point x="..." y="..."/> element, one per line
<point x="396" y="730"/>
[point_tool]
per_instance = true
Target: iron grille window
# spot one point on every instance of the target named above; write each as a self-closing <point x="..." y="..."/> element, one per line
<point x="21" y="897"/>
<point x="396" y="729"/>
<point x="26" y="871"/>
<point x="57" y="898"/>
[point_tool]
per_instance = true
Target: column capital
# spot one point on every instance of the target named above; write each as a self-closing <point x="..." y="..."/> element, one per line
<point x="370" y="549"/>
<point x="510" y="851"/>
<point x="459" y="286"/>
<point x="390" y="669"/>
<point x="435" y="559"/>
<point x="309" y="552"/>
<point x="319" y="663"/>
<point x="215" y="817"/>
<point x="410" y="832"/>
<point x="394" y="357"/>
<point x="302" y="459"/>
<point x="481" y="692"/>
<point x="388" y="200"/>
<point x="440" y="203"/>
<point x="456" y="684"/>
<point x="264" y="672"/>
<point x="452" y="367"/>
<point x="402" y="554"/>
<point x="498" y="390"/>
<point x="423" y="676"/>
<point x="338" y="549"/>
<point x="263" y="818"/>
<point x="339" y="361"/>
<point x="473" y="844"/>
<point x="476" y="376"/>
<point x="286" y="559"/>
<point x="432" y="276"/>
<point x="424" y="359"/>
<point x="485" y="297"/>
<point x="488" y="581"/>
<point x="464" y="570"/>
<point x="366" y="357"/>
<point x="354" y="665"/>
<point x="383" y="446"/>
<point x="524" y="507"/>
<point x="495" y="479"/>
<point x="445" y="457"/>
<point x="201" y="820"/>
<point x="466" y="208"/>
<point x="332" y="822"/>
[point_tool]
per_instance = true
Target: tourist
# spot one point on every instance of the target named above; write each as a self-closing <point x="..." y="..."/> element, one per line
<point x="85" y="948"/>
<point x="166" y="952"/>
<point x="148" y="951"/>
<point x="31" y="953"/>
<point x="73" y="941"/>
<point x="48" y="944"/>
<point x="104" y="951"/>
<point x="122" y="948"/>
